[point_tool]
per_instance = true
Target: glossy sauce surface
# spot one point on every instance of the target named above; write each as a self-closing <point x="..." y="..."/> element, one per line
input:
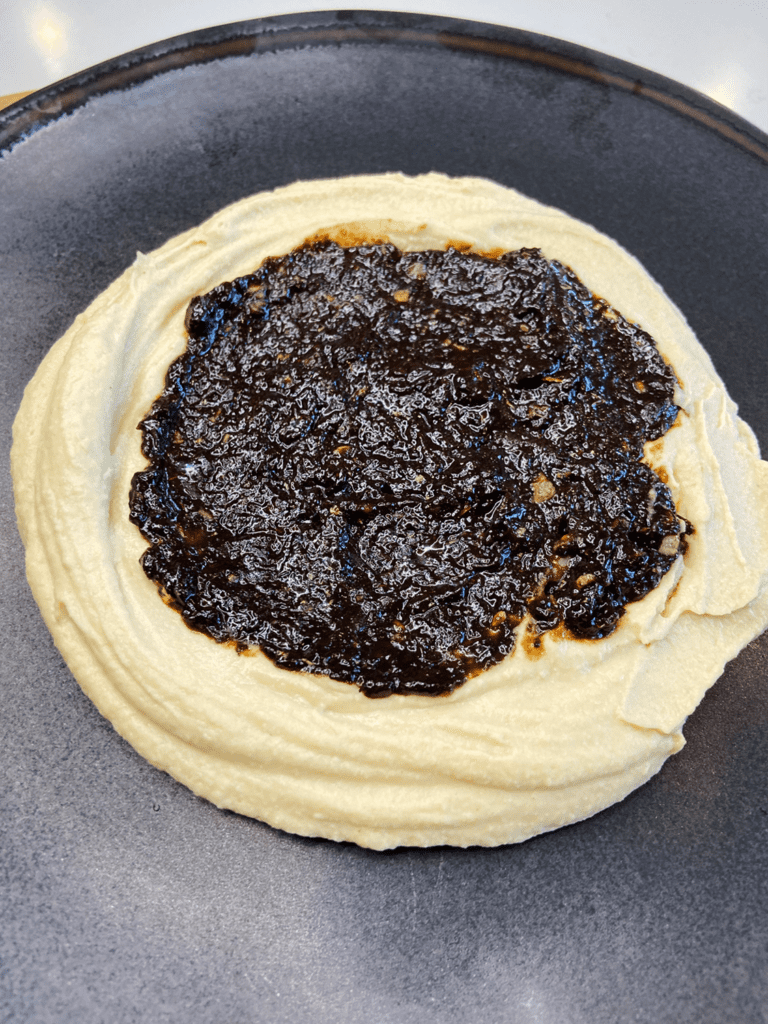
<point x="374" y="464"/>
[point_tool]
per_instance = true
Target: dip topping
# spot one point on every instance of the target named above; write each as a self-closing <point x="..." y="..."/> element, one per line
<point x="374" y="464"/>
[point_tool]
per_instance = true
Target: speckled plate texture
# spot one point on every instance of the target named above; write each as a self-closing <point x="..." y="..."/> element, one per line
<point x="127" y="899"/>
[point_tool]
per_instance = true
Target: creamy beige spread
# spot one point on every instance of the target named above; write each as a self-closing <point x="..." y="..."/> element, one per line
<point x="540" y="740"/>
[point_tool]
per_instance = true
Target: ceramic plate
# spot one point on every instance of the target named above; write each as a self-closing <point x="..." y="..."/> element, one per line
<point x="130" y="900"/>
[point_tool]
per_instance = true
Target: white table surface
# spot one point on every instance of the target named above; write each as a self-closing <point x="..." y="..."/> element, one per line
<point x="717" y="47"/>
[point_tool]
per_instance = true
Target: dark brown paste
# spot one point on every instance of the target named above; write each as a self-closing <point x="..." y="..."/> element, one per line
<point x="373" y="464"/>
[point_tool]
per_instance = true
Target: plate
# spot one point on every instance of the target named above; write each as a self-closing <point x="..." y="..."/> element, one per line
<point x="131" y="900"/>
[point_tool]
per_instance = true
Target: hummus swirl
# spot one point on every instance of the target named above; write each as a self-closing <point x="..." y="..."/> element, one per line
<point x="545" y="737"/>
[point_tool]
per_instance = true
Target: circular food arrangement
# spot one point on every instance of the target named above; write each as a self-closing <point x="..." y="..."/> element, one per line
<point x="420" y="439"/>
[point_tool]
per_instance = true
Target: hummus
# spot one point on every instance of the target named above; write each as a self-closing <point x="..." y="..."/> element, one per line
<point x="546" y="737"/>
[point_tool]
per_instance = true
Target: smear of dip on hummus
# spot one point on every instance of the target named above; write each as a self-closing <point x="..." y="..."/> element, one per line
<point x="543" y="737"/>
<point x="374" y="465"/>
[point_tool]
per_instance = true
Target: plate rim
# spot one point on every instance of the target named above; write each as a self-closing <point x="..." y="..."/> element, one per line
<point x="27" y="116"/>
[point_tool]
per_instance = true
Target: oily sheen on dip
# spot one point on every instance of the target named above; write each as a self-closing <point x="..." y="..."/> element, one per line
<point x="539" y="740"/>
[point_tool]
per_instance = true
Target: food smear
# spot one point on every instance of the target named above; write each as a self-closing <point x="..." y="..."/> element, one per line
<point x="375" y="464"/>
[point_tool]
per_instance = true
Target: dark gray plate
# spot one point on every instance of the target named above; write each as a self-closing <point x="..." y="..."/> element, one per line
<point x="131" y="900"/>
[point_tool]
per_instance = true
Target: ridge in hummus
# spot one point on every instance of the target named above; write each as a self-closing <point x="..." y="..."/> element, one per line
<point x="551" y="733"/>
